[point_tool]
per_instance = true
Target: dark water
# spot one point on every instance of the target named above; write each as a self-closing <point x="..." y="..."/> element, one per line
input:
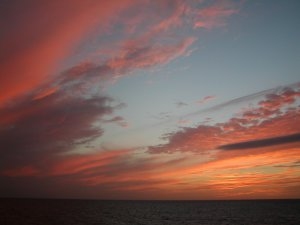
<point x="92" y="212"/>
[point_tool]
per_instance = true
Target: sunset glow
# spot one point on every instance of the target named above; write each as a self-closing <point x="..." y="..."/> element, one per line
<point x="138" y="99"/>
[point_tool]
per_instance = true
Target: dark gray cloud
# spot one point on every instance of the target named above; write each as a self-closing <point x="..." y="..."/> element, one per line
<point x="34" y="129"/>
<point x="262" y="142"/>
<point x="293" y="165"/>
<point x="181" y="104"/>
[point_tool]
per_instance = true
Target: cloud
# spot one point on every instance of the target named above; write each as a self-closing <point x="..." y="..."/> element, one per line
<point x="253" y="185"/>
<point x="118" y="120"/>
<point x="235" y="101"/>
<point x="273" y="104"/>
<point x="129" y="173"/>
<point x="86" y="163"/>
<point x="157" y="42"/>
<point x="183" y="122"/>
<point x="181" y="104"/>
<point x="143" y="57"/>
<point x="38" y="128"/>
<point x="162" y="116"/>
<point x="37" y="35"/>
<point x="231" y="103"/>
<point x="21" y="172"/>
<point x="277" y="118"/>
<point x="216" y="14"/>
<point x="88" y="78"/>
<point x="262" y="142"/>
<point x="142" y="38"/>
<point x="58" y="115"/>
<point x="121" y="171"/>
<point x="49" y="114"/>
<point x="289" y="165"/>
<point x="242" y="174"/>
<point x="206" y="99"/>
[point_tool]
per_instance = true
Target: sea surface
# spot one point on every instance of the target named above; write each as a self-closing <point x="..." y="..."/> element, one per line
<point x="98" y="212"/>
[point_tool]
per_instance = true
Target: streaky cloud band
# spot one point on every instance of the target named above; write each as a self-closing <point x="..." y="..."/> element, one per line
<point x="262" y="142"/>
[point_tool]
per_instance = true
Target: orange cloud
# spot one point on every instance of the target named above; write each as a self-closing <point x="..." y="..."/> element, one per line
<point x="240" y="174"/>
<point x="226" y="175"/>
<point x="254" y="174"/>
<point x="255" y="185"/>
<point x="75" y="164"/>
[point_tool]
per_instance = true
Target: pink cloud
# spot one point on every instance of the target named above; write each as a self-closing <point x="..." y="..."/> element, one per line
<point x="21" y="172"/>
<point x="215" y="15"/>
<point x="32" y="47"/>
<point x="155" y="39"/>
<point x="30" y="61"/>
<point x="206" y="99"/>
<point x="184" y="122"/>
<point x="271" y="118"/>
<point x="142" y="57"/>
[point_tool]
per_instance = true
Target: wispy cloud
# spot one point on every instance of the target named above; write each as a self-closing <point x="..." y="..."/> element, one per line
<point x="119" y="120"/>
<point x="206" y="99"/>
<point x="181" y="104"/>
<point x="215" y="15"/>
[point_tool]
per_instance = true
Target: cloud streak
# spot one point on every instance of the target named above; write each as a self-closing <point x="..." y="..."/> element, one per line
<point x="206" y="99"/>
<point x="262" y="143"/>
<point x="215" y="15"/>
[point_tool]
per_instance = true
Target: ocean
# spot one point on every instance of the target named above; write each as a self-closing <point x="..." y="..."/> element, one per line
<point x="102" y="212"/>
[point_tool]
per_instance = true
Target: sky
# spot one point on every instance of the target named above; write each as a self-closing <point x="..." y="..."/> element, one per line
<point x="141" y="99"/>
